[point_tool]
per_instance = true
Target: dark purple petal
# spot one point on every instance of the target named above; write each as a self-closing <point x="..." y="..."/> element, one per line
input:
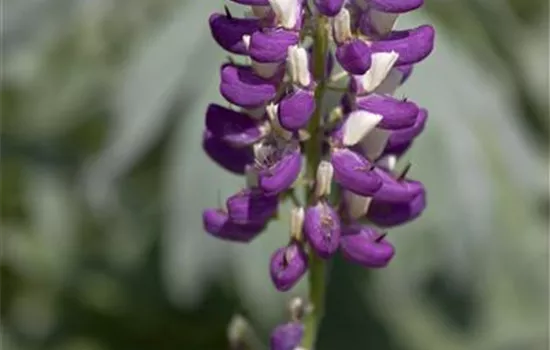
<point x="397" y="114"/>
<point x="228" y="32"/>
<point x="252" y="2"/>
<point x="322" y="229"/>
<point x="412" y="45"/>
<point x="354" y="172"/>
<point x="230" y="158"/>
<point x="402" y="136"/>
<point x="235" y="128"/>
<point x="385" y="214"/>
<point x="396" y="6"/>
<point x="288" y="265"/>
<point x="365" y="246"/>
<point x="217" y="223"/>
<point x="354" y="56"/>
<point x="272" y="46"/>
<point x="282" y="174"/>
<point x="240" y="86"/>
<point x="287" y="336"/>
<point x="296" y="109"/>
<point x="251" y="205"/>
<point x="397" y="190"/>
<point x="329" y="7"/>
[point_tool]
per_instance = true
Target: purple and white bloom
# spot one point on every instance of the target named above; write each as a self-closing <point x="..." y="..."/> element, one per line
<point x="288" y="265"/>
<point x="217" y="223"/>
<point x="388" y="214"/>
<point x="322" y="229"/>
<point x="228" y="157"/>
<point x="235" y="128"/>
<point x="354" y="172"/>
<point x="286" y="336"/>
<point x="365" y="246"/>
<point x="295" y="109"/>
<point x="242" y="87"/>
<point x="250" y="206"/>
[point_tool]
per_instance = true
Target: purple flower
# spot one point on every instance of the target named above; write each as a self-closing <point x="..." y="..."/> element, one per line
<point x="235" y="128"/>
<point x="412" y="45"/>
<point x="354" y="56"/>
<point x="403" y="136"/>
<point x="288" y="265"/>
<point x="355" y="173"/>
<point x="232" y="159"/>
<point x="277" y="167"/>
<point x="296" y="109"/>
<point x="329" y="7"/>
<point x="240" y="86"/>
<point x="396" y="6"/>
<point x="251" y="206"/>
<point x="286" y="336"/>
<point x="322" y="229"/>
<point x="396" y="114"/>
<point x="272" y="45"/>
<point x="228" y="31"/>
<point x="387" y="214"/>
<point x="217" y="223"/>
<point x="365" y="246"/>
<point x="397" y="190"/>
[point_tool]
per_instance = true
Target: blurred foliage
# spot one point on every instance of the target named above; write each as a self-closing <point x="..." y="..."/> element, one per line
<point x="103" y="182"/>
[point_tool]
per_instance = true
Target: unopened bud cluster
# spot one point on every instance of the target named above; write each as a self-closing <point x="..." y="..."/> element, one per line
<point x="273" y="100"/>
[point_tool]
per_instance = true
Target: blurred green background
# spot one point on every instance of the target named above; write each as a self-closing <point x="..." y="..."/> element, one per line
<point x="104" y="180"/>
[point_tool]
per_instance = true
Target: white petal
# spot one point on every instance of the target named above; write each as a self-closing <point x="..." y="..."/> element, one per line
<point x="387" y="162"/>
<point x="382" y="63"/>
<point x="265" y="70"/>
<point x="381" y="21"/>
<point x="298" y="65"/>
<point x="373" y="145"/>
<point x="286" y="12"/>
<point x="246" y="41"/>
<point x="325" y="172"/>
<point x="358" y="125"/>
<point x="296" y="222"/>
<point x="292" y="62"/>
<point x="357" y="206"/>
<point x="342" y="26"/>
<point x="391" y="83"/>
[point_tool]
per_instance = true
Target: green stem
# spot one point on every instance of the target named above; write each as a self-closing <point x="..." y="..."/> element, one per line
<point x="313" y="155"/>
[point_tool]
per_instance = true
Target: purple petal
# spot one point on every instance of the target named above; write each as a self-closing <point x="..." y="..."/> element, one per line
<point x="240" y="86"/>
<point x="402" y="136"/>
<point x="271" y="46"/>
<point x="397" y="149"/>
<point x="296" y="109"/>
<point x="329" y="7"/>
<point x="354" y="172"/>
<point x="397" y="190"/>
<point x="252" y="2"/>
<point x="282" y="174"/>
<point x="287" y="336"/>
<point x="228" y="32"/>
<point x="288" y="265"/>
<point x="406" y="70"/>
<point x="365" y="246"/>
<point x="217" y="223"/>
<point x="354" y="56"/>
<point x="386" y="214"/>
<point x="322" y="229"/>
<point x="412" y="45"/>
<point x="235" y="128"/>
<point x="396" y="6"/>
<point x="230" y="158"/>
<point x="251" y="205"/>
<point x="397" y="114"/>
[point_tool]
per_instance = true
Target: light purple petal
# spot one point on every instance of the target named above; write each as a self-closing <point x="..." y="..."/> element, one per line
<point x="365" y="246"/>
<point x="412" y="45"/>
<point x="396" y="114"/>
<point x="235" y="128"/>
<point x="216" y="222"/>
<point x="251" y="206"/>
<point x="272" y="46"/>
<point x="230" y="158"/>
<point x="240" y="86"/>
<point x="228" y="32"/>
<point x="287" y="336"/>
<point x="252" y="2"/>
<point x="288" y="264"/>
<point x="354" y="172"/>
<point x="354" y="56"/>
<point x="322" y="229"/>
<point x="296" y="109"/>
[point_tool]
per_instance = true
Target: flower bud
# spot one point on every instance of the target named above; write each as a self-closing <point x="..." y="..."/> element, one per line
<point x="296" y="223"/>
<point x="286" y="336"/>
<point x="230" y="158"/>
<point x="386" y="214"/>
<point x="217" y="223"/>
<point x="228" y="32"/>
<point x="323" y="183"/>
<point x="412" y="45"/>
<point x="354" y="56"/>
<point x="329" y="8"/>
<point x="322" y="229"/>
<point x="355" y="173"/>
<point x="296" y="109"/>
<point x="288" y="265"/>
<point x="251" y="205"/>
<point x="298" y="66"/>
<point x="396" y="114"/>
<point x="365" y="246"/>
<point x="240" y="86"/>
<point x="235" y="128"/>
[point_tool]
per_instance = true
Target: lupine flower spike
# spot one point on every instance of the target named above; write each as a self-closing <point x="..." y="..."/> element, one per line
<point x="280" y="135"/>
